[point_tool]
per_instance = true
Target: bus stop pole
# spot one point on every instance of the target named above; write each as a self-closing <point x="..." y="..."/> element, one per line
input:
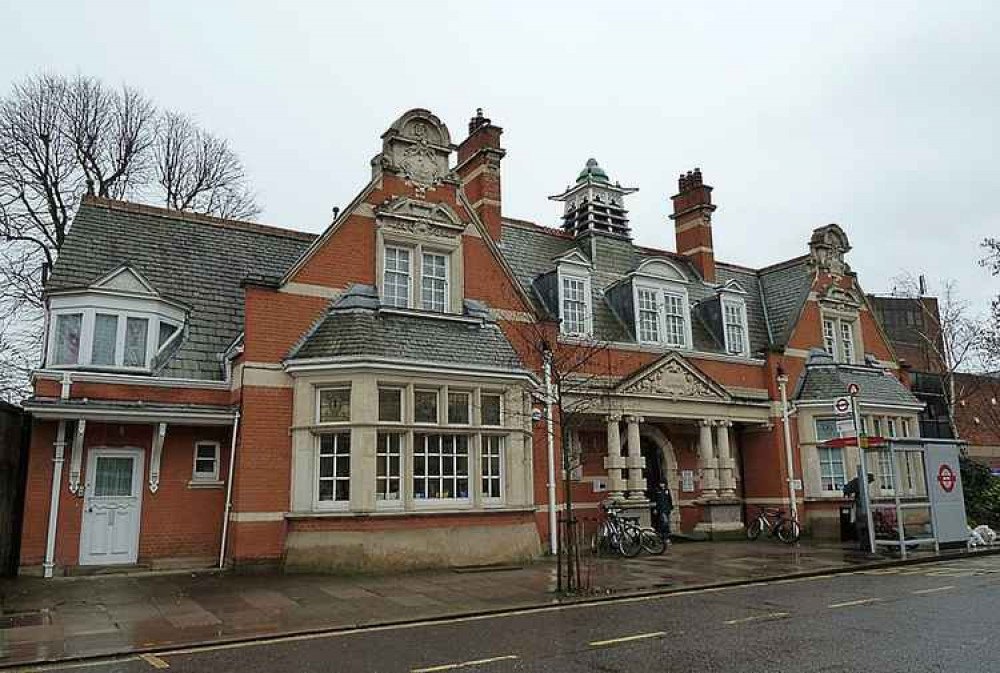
<point x="863" y="494"/>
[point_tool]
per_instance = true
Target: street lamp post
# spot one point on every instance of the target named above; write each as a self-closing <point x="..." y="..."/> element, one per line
<point x="782" y="386"/>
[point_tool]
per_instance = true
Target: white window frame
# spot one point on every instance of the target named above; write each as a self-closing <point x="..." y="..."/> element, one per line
<point x="381" y="481"/>
<point x="202" y="477"/>
<point x="886" y="471"/>
<point x="411" y="253"/>
<point x="664" y="289"/>
<point x="830" y="462"/>
<point x="470" y="476"/>
<point x="88" y="322"/>
<point x="741" y="306"/>
<point x="487" y="475"/>
<point x="838" y="324"/>
<point x="588" y="302"/>
<point x="657" y="311"/>
<point x="334" y="504"/>
<point x="446" y="280"/>
<point x="320" y="389"/>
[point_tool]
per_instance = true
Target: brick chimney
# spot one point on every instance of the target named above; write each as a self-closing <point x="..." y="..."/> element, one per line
<point x="479" y="158"/>
<point x="693" y="222"/>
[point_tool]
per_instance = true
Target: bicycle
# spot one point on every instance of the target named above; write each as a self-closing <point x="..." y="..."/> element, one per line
<point x="785" y="529"/>
<point x="625" y="537"/>
<point x="615" y="535"/>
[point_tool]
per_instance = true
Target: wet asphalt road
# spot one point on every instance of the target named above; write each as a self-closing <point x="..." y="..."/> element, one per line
<point x="938" y="617"/>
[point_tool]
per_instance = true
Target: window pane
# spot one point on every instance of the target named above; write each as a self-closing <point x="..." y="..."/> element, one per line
<point x="574" y="304"/>
<point x="490" y="409"/>
<point x="334" y="405"/>
<point x="335" y="467"/>
<point x="674" y="319"/>
<point x="440" y="466"/>
<point x="434" y="282"/>
<point x="67" y="350"/>
<point x="829" y="338"/>
<point x="205" y="466"/>
<point x="458" y="408"/>
<point x="396" y="290"/>
<point x="135" y="341"/>
<point x="166" y="331"/>
<point x="425" y="404"/>
<point x="390" y="405"/>
<point x="105" y="339"/>
<point x="847" y="341"/>
<point x="113" y="476"/>
<point x="831" y="469"/>
<point x="492" y="452"/>
<point x="826" y="428"/>
<point x="735" y="338"/>
<point x="649" y="317"/>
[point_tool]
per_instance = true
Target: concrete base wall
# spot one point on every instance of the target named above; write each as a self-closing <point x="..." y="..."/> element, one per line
<point x="391" y="550"/>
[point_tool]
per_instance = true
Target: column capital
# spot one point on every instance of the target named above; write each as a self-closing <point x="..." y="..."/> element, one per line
<point x="614" y="418"/>
<point x="705" y="422"/>
<point x="724" y="423"/>
<point x="635" y="419"/>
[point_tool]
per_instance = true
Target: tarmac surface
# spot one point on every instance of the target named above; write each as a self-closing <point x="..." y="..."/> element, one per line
<point x="933" y="617"/>
<point x="52" y="620"/>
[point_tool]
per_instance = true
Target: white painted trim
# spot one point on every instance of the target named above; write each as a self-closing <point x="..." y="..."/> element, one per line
<point x="54" y="497"/>
<point x="76" y="459"/>
<point x="138" y="469"/>
<point x="213" y="479"/>
<point x="129" y="379"/>
<point x="129" y="415"/>
<point x="310" y="290"/>
<point x="868" y="406"/>
<point x="565" y="271"/>
<point x="651" y="348"/>
<point x="414" y="366"/>
<point x="159" y="434"/>
<point x="256" y="517"/>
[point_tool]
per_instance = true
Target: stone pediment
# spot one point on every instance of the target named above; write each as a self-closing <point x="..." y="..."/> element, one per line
<point x="419" y="218"/>
<point x="124" y="279"/>
<point x="672" y="377"/>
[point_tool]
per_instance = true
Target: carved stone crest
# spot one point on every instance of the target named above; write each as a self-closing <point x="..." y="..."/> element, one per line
<point x="418" y="146"/>
<point x="827" y="248"/>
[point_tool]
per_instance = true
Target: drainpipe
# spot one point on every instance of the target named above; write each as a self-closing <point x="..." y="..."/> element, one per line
<point x="57" y="470"/>
<point x="792" y="505"/>
<point x="551" y="447"/>
<point x="229" y="492"/>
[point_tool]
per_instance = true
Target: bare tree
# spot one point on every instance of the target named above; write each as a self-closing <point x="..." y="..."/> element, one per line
<point x="62" y="137"/>
<point x="198" y="171"/>
<point x="950" y="335"/>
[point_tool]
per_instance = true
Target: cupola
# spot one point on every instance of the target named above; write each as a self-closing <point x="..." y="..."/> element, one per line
<point x="594" y="203"/>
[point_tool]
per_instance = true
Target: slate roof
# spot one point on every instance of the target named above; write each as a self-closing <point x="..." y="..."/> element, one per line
<point x="352" y="332"/>
<point x="199" y="261"/>
<point x="773" y="297"/>
<point x="823" y="379"/>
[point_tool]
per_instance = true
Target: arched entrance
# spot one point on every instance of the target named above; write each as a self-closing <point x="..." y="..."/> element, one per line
<point x="661" y="466"/>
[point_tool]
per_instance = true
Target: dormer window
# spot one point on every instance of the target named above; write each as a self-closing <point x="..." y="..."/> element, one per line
<point x="662" y="309"/>
<point x="840" y="338"/>
<point x="575" y="305"/>
<point x="734" y="315"/>
<point x="118" y="323"/>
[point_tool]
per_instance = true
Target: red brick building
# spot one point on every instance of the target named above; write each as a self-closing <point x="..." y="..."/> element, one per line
<point x="219" y="391"/>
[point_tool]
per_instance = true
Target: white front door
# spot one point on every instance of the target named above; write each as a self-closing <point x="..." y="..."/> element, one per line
<point x="112" y="505"/>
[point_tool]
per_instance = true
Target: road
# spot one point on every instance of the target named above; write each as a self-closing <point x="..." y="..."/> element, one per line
<point x="935" y="617"/>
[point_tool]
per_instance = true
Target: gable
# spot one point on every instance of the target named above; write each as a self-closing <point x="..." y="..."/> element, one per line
<point x="673" y="377"/>
<point x="660" y="269"/>
<point x="125" y="279"/>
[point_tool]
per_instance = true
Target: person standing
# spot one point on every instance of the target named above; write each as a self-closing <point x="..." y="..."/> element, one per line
<point x="663" y="501"/>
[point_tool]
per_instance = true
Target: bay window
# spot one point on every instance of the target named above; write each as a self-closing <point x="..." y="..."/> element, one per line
<point x="334" y="405"/>
<point x="458" y="408"/>
<point x="491" y="405"/>
<point x="440" y="467"/>
<point x="425" y="406"/>
<point x="69" y="327"/>
<point x="108" y="339"/>
<point x="390" y="405"/>
<point x="491" y="460"/>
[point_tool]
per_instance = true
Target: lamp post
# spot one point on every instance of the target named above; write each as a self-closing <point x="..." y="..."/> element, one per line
<point x="782" y="386"/>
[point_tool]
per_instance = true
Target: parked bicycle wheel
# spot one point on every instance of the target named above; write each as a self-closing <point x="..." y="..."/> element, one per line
<point x="652" y="543"/>
<point x="630" y="542"/>
<point x="789" y="531"/>
<point x="753" y="530"/>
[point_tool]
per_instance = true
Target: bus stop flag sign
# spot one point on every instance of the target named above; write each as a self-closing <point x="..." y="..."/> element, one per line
<point x="842" y="405"/>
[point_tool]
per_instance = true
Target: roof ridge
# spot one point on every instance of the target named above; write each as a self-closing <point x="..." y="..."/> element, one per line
<point x="786" y="263"/>
<point x="197" y="218"/>
<point x="527" y="224"/>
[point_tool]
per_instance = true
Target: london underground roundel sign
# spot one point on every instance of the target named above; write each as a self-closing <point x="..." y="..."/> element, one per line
<point x="946" y="477"/>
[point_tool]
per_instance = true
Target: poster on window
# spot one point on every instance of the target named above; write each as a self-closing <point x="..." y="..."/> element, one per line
<point x="687" y="481"/>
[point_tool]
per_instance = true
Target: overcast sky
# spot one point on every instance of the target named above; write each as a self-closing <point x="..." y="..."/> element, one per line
<point x="881" y="117"/>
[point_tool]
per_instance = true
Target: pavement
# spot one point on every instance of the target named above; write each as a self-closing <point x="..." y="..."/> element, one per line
<point x="92" y="617"/>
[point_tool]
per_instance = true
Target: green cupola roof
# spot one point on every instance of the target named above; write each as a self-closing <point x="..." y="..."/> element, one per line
<point x="594" y="172"/>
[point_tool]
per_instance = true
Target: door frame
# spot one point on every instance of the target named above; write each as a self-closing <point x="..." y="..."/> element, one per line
<point x="138" y="478"/>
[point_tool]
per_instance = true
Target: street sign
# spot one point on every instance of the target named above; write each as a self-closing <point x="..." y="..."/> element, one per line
<point x="946" y="477"/>
<point x="797" y="484"/>
<point x="842" y="405"/>
<point x="853" y="389"/>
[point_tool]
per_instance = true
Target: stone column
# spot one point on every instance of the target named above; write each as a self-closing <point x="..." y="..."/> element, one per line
<point x="614" y="462"/>
<point x="708" y="463"/>
<point x="635" y="462"/>
<point x="727" y="476"/>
